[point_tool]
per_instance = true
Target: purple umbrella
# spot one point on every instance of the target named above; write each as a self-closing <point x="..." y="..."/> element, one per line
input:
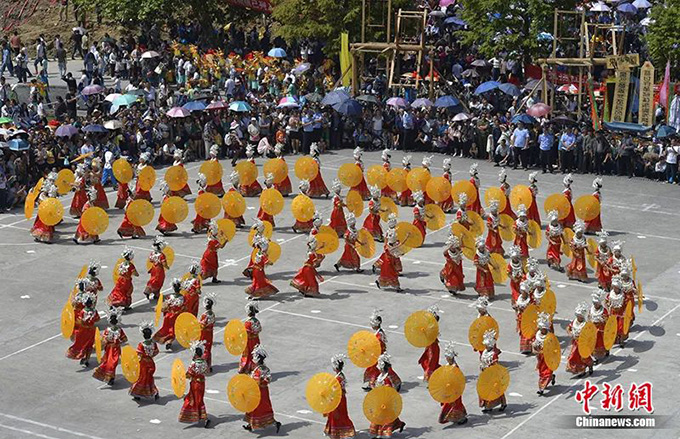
<point x="92" y="90"/>
<point x="178" y="112"/>
<point x="66" y="131"/>
<point x="397" y="102"/>
<point x="421" y="103"/>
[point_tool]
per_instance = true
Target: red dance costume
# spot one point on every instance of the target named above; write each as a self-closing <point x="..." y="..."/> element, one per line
<point x="41" y="232"/>
<point x="489" y="358"/>
<point x="386" y="430"/>
<point x="263" y="415"/>
<point x="350" y="258"/>
<point x="207" y="322"/>
<point x="200" y="224"/>
<point x="508" y="208"/>
<point x="253" y="329"/>
<point x="157" y="274"/>
<point x="338" y="222"/>
<point x="112" y="338"/>
<point x="192" y="295"/>
<point x="217" y="188"/>
<point x="209" y="261"/>
<point x="122" y="195"/>
<point x="141" y="194"/>
<point x="264" y="216"/>
<point x="193" y="410"/>
<point x="595" y="225"/>
<point x="238" y="221"/>
<point x="554" y="252"/>
<point x="599" y="318"/>
<point x="371" y="373"/>
<point x="338" y="423"/>
<point x="453" y="411"/>
<point x="533" y="213"/>
<point x="81" y="236"/>
<point x="145" y="386"/>
<point x="306" y="281"/>
<point x="521" y="231"/>
<point x="389" y="270"/>
<point x="520" y="305"/>
<point x="260" y="285"/>
<point x="575" y="363"/>
<point x="121" y="295"/>
<point x="476" y="205"/>
<point x="254" y="189"/>
<point x="284" y="187"/>
<point x="317" y="187"/>
<point x="571" y="217"/>
<point x="603" y="271"/>
<point x="419" y="220"/>
<point x="362" y="187"/>
<point x="447" y="205"/>
<point x="577" y="267"/>
<point x="544" y="373"/>
<point x="617" y="307"/>
<point x="172" y="307"/>
<point x="493" y="238"/>
<point x="429" y="361"/>
<point x="388" y="191"/>
<point x="515" y="272"/>
<point x="79" y="198"/>
<point x="83" y="334"/>
<point x="101" y="200"/>
<point x="164" y="226"/>
<point x="452" y="274"/>
<point x="127" y="229"/>
<point x="484" y="280"/>
<point x="186" y="190"/>
<point x="372" y="221"/>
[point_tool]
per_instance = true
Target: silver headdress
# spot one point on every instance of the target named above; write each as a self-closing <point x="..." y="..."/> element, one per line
<point x="525" y="286"/>
<point x="406" y="160"/>
<point x="195" y="267"/>
<point x="392" y="220"/>
<point x="336" y="186"/>
<point x="357" y="153"/>
<point x="94" y="267"/>
<point x="616" y="281"/>
<point x="502" y="176"/>
<point x="480" y="241"/>
<point x="214" y="150"/>
<point x="626" y="267"/>
<point x="92" y="193"/>
<point x="145" y="157"/>
<point x="567" y="180"/>
<point x="311" y="242"/>
<point x="493" y="205"/>
<point x="418" y="196"/>
<point x="452" y="241"/>
<point x="337" y="360"/>
<point x="532" y="177"/>
<point x="252" y="307"/>
<point x="376" y="318"/>
<point x="176" y="284"/>
<point x="462" y="200"/>
<point x="146" y="325"/>
<point x="375" y="192"/>
<point x="598" y="295"/>
<point x="128" y="254"/>
<point x="213" y="228"/>
<point x="581" y="310"/>
<point x="618" y="245"/>
<point x="159" y="242"/>
<point x="165" y="189"/>
<point x="116" y="312"/>
<point x="579" y="226"/>
<point x="427" y="161"/>
<point x="521" y="210"/>
<point x="196" y="345"/>
<point x="83" y="298"/>
<point x="473" y="169"/>
<point x="211" y="296"/>
<point x="449" y="352"/>
<point x="553" y="215"/>
<point x="314" y="149"/>
<point x="482" y="303"/>
<point x="269" y="179"/>
<point x="350" y="219"/>
<point x="515" y="251"/>
<point x="259" y="353"/>
<point x="446" y="164"/>
<point x="386" y="155"/>
<point x="303" y="186"/>
<point x="317" y="219"/>
<point x="234" y="178"/>
<point x="489" y="338"/>
<point x="383" y="360"/>
<point x="434" y="310"/>
<point x="532" y="264"/>
<point x="597" y="183"/>
<point x="202" y="180"/>
<point x="258" y="225"/>
<point x="602" y="236"/>
<point x="543" y="320"/>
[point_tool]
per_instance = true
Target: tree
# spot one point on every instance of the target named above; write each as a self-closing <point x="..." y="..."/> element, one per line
<point x="663" y="35"/>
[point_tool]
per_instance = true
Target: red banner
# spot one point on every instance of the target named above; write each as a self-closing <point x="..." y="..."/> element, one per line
<point x="256" y="5"/>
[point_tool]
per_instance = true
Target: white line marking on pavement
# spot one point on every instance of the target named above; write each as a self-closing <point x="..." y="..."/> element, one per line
<point x="52" y="427"/>
<point x="30" y="433"/>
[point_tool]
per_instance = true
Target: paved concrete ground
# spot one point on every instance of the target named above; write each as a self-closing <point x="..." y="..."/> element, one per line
<point x="46" y="395"/>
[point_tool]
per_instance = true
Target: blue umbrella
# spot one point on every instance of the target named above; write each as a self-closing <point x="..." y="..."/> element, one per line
<point x="277" y="52"/>
<point x="509" y="89"/>
<point x="544" y="36"/>
<point x="627" y="8"/>
<point x="335" y="97"/>
<point x="626" y="127"/>
<point x="524" y="118"/>
<point x="194" y="106"/>
<point x="239" y="106"/>
<point x="665" y="131"/>
<point x="486" y="86"/>
<point x="349" y="107"/>
<point x="94" y="128"/>
<point x="18" y="145"/>
<point x="455" y="20"/>
<point x="446" y="102"/>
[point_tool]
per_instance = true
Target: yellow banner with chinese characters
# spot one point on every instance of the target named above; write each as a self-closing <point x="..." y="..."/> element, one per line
<point x="620" y="96"/>
<point x="646" y="111"/>
<point x="345" y="59"/>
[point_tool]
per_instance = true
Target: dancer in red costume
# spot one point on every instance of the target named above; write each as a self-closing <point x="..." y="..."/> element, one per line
<point x="553" y="233"/>
<point x="383" y="379"/>
<point x="122" y="195"/>
<point x="96" y="182"/>
<point x="159" y="264"/>
<point x="452" y="411"/>
<point x="253" y="189"/>
<point x="40" y="231"/>
<point x="452" y="274"/>
<point x="545" y="375"/>
<point x="200" y="224"/>
<point x="515" y="272"/>
<point x="261" y="214"/>
<point x="350" y="258"/>
<point x="303" y="226"/>
<point x="429" y="360"/>
<point x="81" y="236"/>
<point x="595" y="225"/>
<point x="493" y="238"/>
<point x="338" y="423"/>
<point x="372" y="221"/>
<point x="476" y="205"/>
<point x="533" y="213"/>
<point x="253" y="329"/>
<point x="121" y="295"/>
<point x="362" y="187"/>
<point x="207" y="322"/>
<point x="371" y="373"/>
<point x="389" y="271"/>
<point x="602" y="256"/>
<point x="260" y="287"/>
<point x="617" y="259"/>
<point x="92" y="283"/>
<point x="599" y="316"/>
<point x="521" y="229"/>
<point x="285" y="187"/>
<point x="387" y="191"/>
<point x="112" y="339"/>
<point x="217" y="187"/>
<point x="80" y="196"/>
<point x="628" y="287"/>
<point x="575" y="363"/>
<point x="164" y="226"/>
<point x="447" y="205"/>
<point x="178" y="157"/>
<point x="484" y="280"/>
<point x="616" y="306"/>
<point x="427" y="163"/>
<point x="317" y="187"/>
<point x="571" y="217"/>
<point x="144" y="161"/>
<point x="147" y="349"/>
<point x="192" y="288"/>
<point x="461" y="212"/>
<point x="396" y="256"/>
<point x="576" y="269"/>
<point x="405" y="198"/>
<point x="523" y="300"/>
<point x="533" y="273"/>
<point x="307" y="279"/>
<point x="487" y="358"/>
<point x="258" y="235"/>
<point x="127" y="229"/>
<point x="209" y="261"/>
<point x="193" y="410"/>
<point x="505" y="187"/>
<point x="338" y="222"/>
<point x="263" y="415"/>
<point x="173" y="306"/>
<point x="86" y="316"/>
<point x="234" y="181"/>
<point x="419" y="213"/>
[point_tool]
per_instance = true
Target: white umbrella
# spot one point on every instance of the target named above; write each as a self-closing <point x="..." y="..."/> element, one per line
<point x="113" y="124"/>
<point x="646" y="21"/>
<point x="460" y="117"/>
<point x="600" y="7"/>
<point x="112" y="97"/>
<point x="642" y="4"/>
<point x="150" y="54"/>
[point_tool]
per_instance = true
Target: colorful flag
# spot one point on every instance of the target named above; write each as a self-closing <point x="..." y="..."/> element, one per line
<point x="345" y="59"/>
<point x="594" y="116"/>
<point x="664" y="93"/>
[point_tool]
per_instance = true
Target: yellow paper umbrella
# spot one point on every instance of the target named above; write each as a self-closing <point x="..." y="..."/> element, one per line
<point x="50" y="211"/>
<point x="306" y="168"/>
<point x="365" y="245"/>
<point x="505" y="227"/>
<point x="122" y="170"/>
<point x="640" y="296"/>
<point x="534" y="237"/>
<point x="417" y="179"/>
<point x="498" y="268"/>
<point x="35" y="191"/>
<point x="234" y="204"/>
<point x="98" y="345"/>
<point x="178" y="377"/>
<point x="446" y="384"/>
<point x="146" y="178"/>
<point x="68" y="320"/>
<point x="409" y="235"/>
<point x="247" y="172"/>
<point x="587" y="340"/>
<point x="376" y="176"/>
<point x="477" y="329"/>
<point x="176" y="177"/>
<point x="548" y="302"/>
<point x="244" y="393"/>
<point x="349" y="174"/>
<point x="140" y="212"/>
<point x="438" y="188"/>
<point x="363" y="349"/>
<point x="235" y="337"/>
<point x="632" y="260"/>
<point x="627" y="317"/>
<point x="271" y="201"/>
<point x="396" y="179"/>
<point x="226" y="229"/>
<point x="552" y="353"/>
<point x="387" y="207"/>
<point x="558" y="202"/>
<point x="268" y="231"/>
<point x="327" y="243"/>
<point x="64" y="181"/>
<point x="493" y="382"/>
<point x="207" y="205"/>
<point x="421" y="329"/>
<point x="610" y="330"/>
<point x="467" y="241"/>
<point x="519" y="195"/>
<point x="187" y="329"/>
<point x="129" y="362"/>
<point x="477" y="223"/>
<point x="567" y="235"/>
<point x="354" y="203"/>
<point x="158" y="310"/>
<point x="528" y="324"/>
<point x="174" y="209"/>
<point x="116" y="268"/>
<point x="587" y="207"/>
<point x="382" y="405"/>
<point x="212" y="169"/>
<point x="495" y="193"/>
<point x="303" y="208"/>
<point x="434" y="217"/>
<point x="273" y="252"/>
<point x="464" y="186"/>
<point x="277" y="167"/>
<point x="590" y="253"/>
<point x="169" y="253"/>
<point x="29" y="205"/>
<point x="95" y="220"/>
<point x="323" y="393"/>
